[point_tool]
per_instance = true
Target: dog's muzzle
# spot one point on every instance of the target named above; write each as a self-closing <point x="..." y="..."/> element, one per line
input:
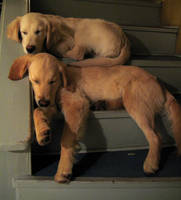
<point x="30" y="48"/>
<point x="43" y="103"/>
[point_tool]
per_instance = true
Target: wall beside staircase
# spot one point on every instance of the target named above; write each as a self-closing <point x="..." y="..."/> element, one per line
<point x="171" y="16"/>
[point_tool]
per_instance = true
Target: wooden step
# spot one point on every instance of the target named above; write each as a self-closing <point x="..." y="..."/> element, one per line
<point x="166" y="68"/>
<point x="94" y="174"/>
<point x="116" y="175"/>
<point x="156" y="61"/>
<point x="92" y="189"/>
<point x="112" y="130"/>
<point x="152" y="41"/>
<point x="110" y="164"/>
<point x="132" y="12"/>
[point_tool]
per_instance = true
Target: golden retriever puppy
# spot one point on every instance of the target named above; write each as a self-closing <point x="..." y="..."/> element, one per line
<point x="71" y="37"/>
<point x="72" y="89"/>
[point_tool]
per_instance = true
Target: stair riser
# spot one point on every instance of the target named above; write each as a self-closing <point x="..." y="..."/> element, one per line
<point x="118" y="133"/>
<point x="169" y="76"/>
<point x="113" y="130"/>
<point x="148" y="41"/>
<point x="121" y="12"/>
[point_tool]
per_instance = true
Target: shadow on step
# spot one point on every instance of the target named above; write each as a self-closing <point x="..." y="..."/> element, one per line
<point x="110" y="164"/>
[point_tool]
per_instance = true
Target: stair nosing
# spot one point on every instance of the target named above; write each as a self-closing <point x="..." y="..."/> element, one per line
<point x="167" y="29"/>
<point x="42" y="182"/>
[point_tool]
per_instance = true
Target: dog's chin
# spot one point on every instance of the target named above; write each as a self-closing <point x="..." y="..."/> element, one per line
<point x="45" y="106"/>
<point x="33" y="53"/>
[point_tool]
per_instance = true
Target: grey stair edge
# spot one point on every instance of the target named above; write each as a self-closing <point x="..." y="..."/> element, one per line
<point x="22" y="147"/>
<point x="14" y="147"/>
<point x="87" y="183"/>
<point x="109" y="114"/>
<point x="123" y="148"/>
<point x="120" y="148"/>
<point x="126" y="2"/>
<point x="155" y="63"/>
<point x="167" y="29"/>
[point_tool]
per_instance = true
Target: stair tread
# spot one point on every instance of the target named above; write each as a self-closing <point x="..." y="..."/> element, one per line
<point x="156" y="61"/>
<point x="162" y="58"/>
<point x="123" y="164"/>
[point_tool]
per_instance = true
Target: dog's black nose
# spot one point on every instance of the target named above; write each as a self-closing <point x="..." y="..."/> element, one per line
<point x="43" y="103"/>
<point x="30" y="48"/>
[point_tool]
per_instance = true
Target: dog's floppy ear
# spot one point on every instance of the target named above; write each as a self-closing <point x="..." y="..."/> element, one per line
<point x="57" y="31"/>
<point x="13" y="30"/>
<point x="19" y="67"/>
<point x="62" y="70"/>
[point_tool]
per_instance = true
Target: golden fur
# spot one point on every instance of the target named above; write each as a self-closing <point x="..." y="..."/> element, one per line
<point x="71" y="37"/>
<point x="137" y="90"/>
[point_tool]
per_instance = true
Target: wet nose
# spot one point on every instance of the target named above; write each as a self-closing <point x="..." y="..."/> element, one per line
<point x="30" y="48"/>
<point x="44" y="103"/>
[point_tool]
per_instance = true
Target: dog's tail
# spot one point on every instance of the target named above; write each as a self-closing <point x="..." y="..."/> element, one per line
<point x="105" y="61"/>
<point x="174" y="114"/>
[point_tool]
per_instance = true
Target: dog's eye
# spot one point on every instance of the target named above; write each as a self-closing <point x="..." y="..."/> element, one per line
<point x="37" y="32"/>
<point x="51" y="82"/>
<point x="25" y="33"/>
<point x="36" y="81"/>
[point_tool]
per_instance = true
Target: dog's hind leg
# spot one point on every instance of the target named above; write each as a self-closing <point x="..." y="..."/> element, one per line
<point x="145" y="119"/>
<point x="143" y="99"/>
<point x="76" y="53"/>
<point x="151" y="163"/>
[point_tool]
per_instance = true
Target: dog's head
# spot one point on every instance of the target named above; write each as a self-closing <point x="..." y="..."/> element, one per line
<point x="30" y="30"/>
<point x="46" y="74"/>
<point x="36" y="32"/>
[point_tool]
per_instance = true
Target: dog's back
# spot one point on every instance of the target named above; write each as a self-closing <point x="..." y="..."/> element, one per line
<point x="100" y="83"/>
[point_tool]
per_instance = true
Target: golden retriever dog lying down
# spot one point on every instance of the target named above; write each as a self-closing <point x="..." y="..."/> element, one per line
<point x="72" y="38"/>
<point x="72" y="89"/>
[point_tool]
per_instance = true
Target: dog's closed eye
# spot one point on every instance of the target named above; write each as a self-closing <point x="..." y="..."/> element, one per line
<point x="37" y="32"/>
<point x="36" y="81"/>
<point x="24" y="32"/>
<point x="51" y="82"/>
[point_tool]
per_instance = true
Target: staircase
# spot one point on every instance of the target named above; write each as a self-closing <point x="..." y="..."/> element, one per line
<point x="112" y="168"/>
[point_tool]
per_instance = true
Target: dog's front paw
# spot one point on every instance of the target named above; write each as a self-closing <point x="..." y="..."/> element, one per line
<point x="62" y="178"/>
<point x="64" y="172"/>
<point x="44" y="137"/>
